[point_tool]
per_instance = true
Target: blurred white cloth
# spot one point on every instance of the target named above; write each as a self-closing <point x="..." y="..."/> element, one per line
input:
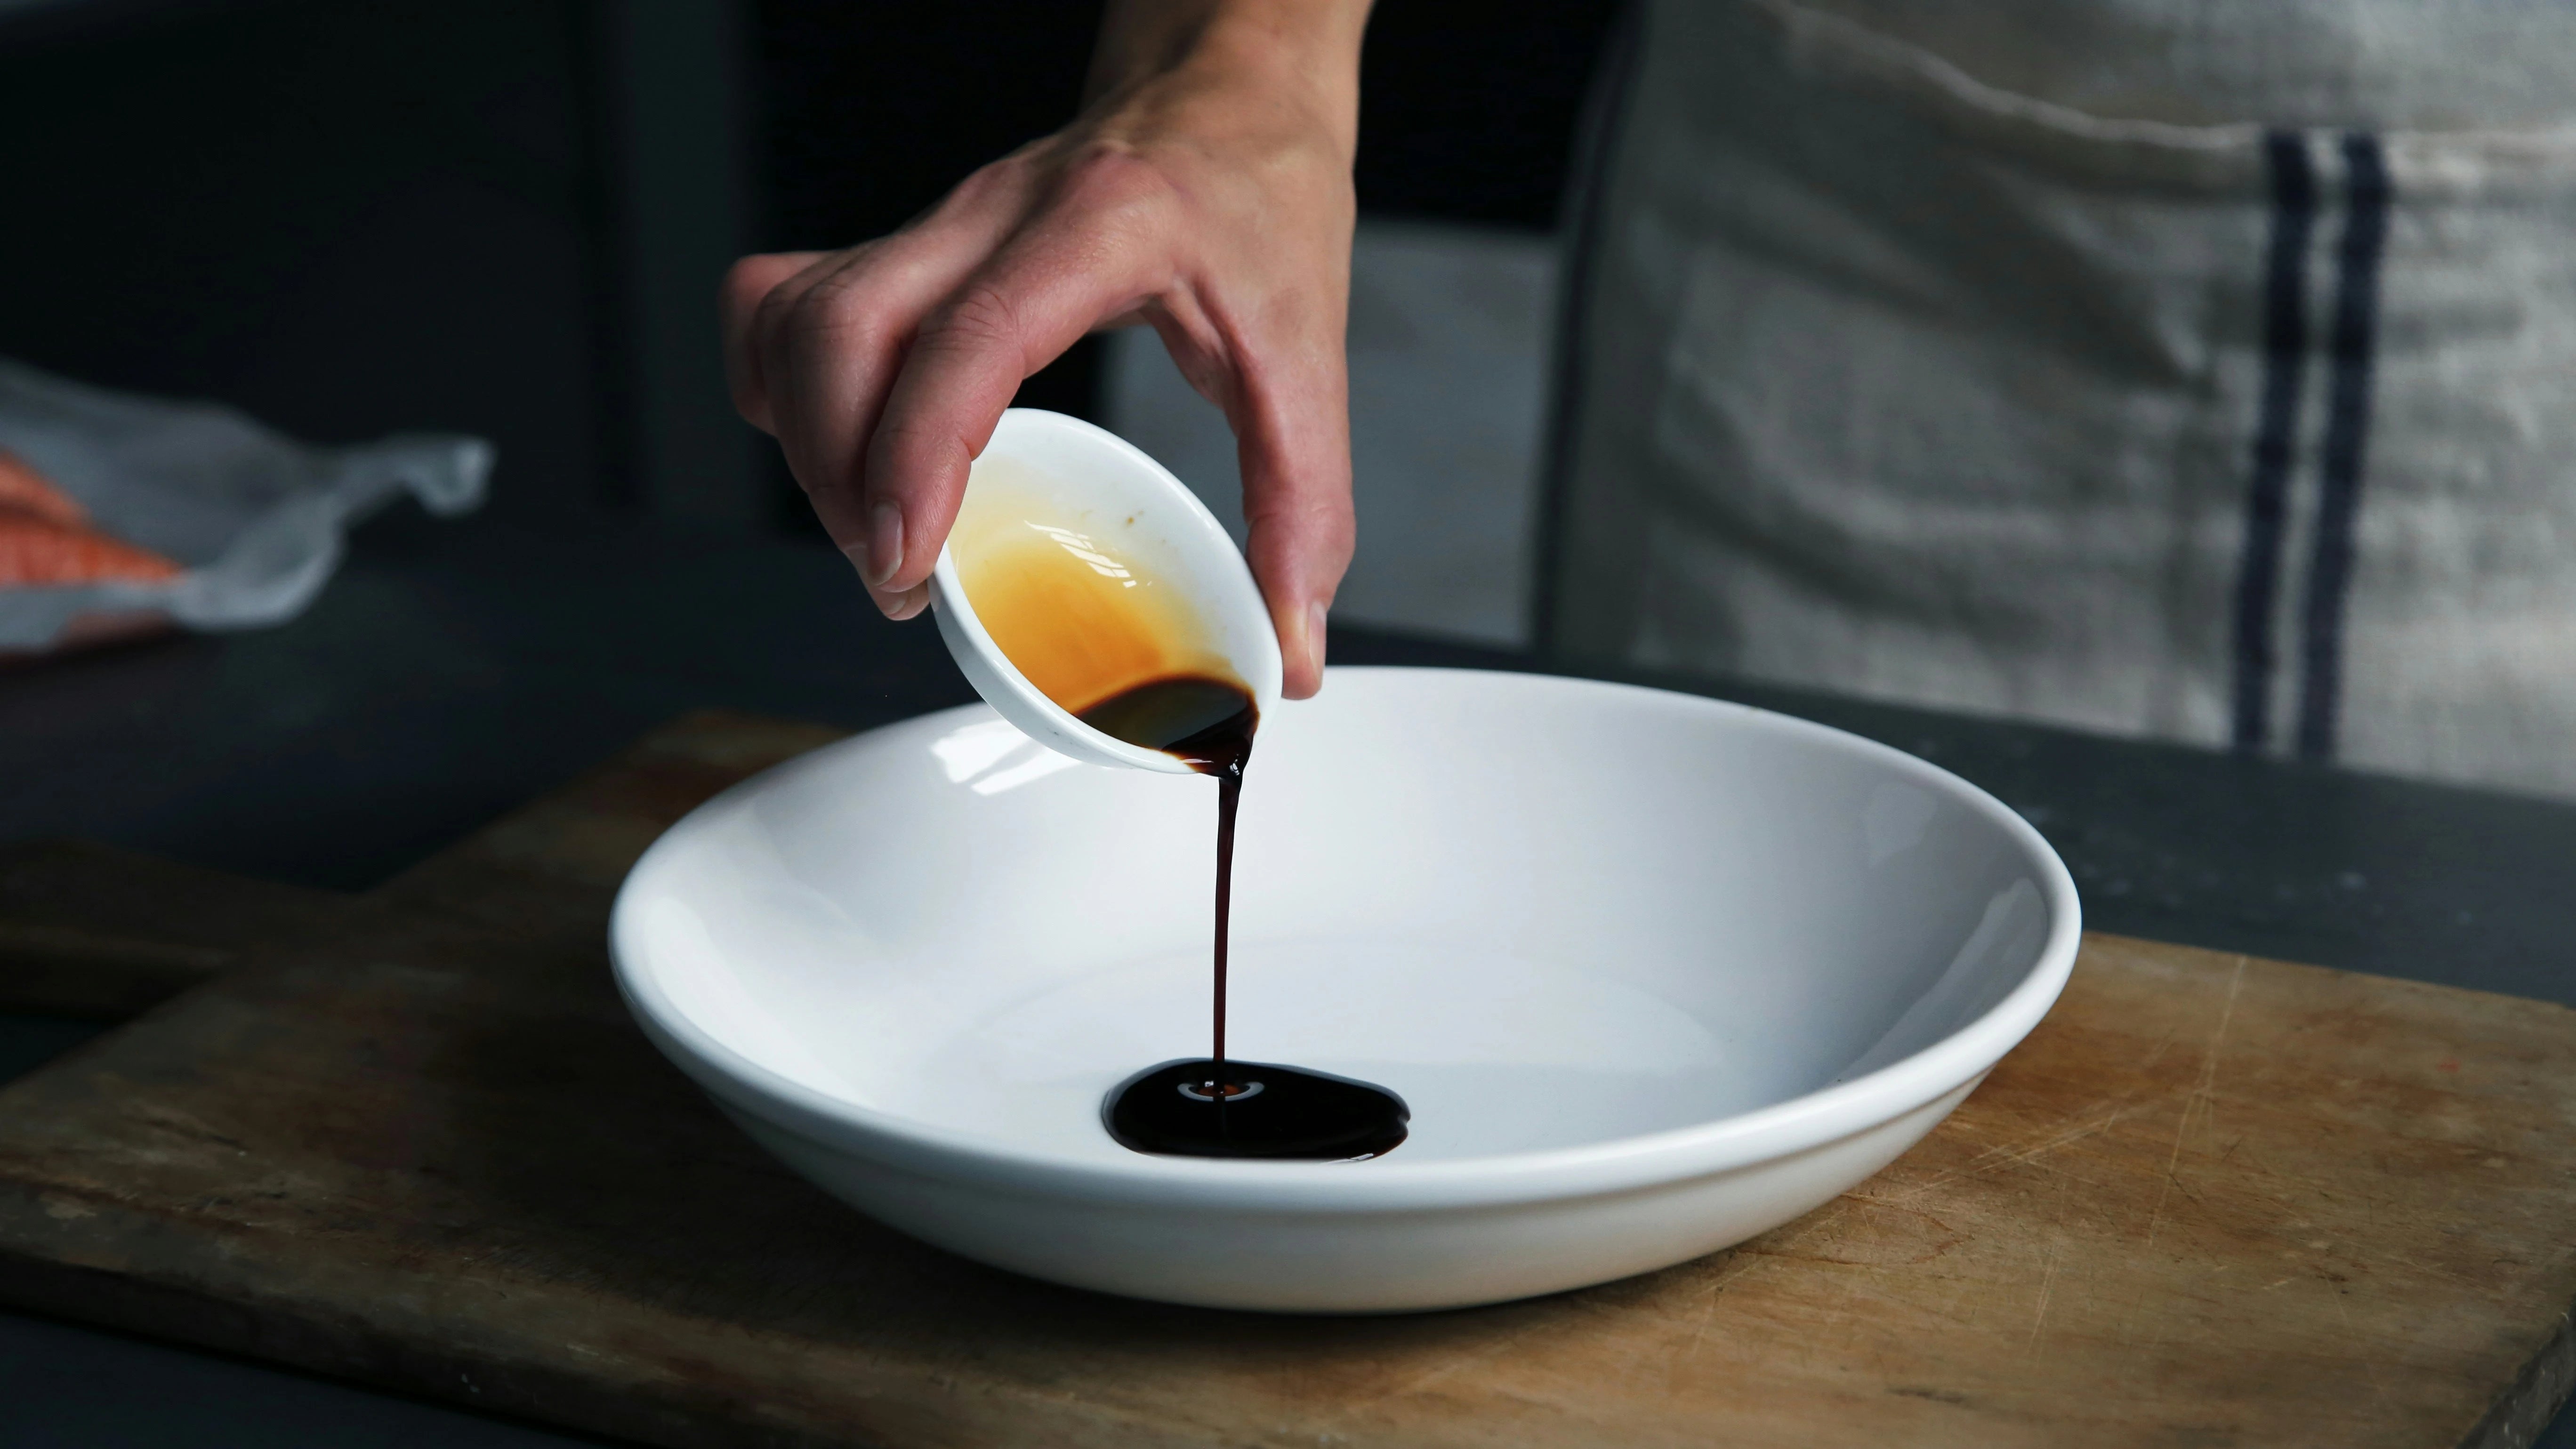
<point x="254" y="517"/>
<point x="1930" y="349"/>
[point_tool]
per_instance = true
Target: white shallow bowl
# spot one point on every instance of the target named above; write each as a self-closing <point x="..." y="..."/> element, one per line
<point x="1655" y="973"/>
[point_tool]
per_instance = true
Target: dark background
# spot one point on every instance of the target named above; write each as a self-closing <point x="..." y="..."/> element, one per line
<point x="346" y="219"/>
<point x="1467" y="108"/>
<point x="421" y="214"/>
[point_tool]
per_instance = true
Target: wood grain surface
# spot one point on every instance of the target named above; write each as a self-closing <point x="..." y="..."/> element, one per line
<point x="2211" y="1201"/>
<point x="90" y="931"/>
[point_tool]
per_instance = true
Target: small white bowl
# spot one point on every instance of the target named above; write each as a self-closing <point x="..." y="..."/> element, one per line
<point x="1070" y="477"/>
<point x="1655" y="973"/>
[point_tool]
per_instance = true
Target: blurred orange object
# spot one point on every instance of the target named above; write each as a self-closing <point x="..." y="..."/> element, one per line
<point x="24" y="490"/>
<point x="36" y="551"/>
<point x="45" y="537"/>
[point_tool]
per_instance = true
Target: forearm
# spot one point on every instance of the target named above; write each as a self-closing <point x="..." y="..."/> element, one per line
<point x="1300" y="52"/>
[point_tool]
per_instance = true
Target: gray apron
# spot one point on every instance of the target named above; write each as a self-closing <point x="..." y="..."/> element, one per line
<point x="2194" y="372"/>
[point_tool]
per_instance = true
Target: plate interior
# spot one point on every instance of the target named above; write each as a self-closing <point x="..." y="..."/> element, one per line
<point x="1546" y="914"/>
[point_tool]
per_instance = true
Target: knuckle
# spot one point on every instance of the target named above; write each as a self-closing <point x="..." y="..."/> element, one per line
<point x="911" y="455"/>
<point x="775" y="307"/>
<point x="842" y="310"/>
<point x="1109" y="177"/>
<point x="979" y="317"/>
<point x="986" y="184"/>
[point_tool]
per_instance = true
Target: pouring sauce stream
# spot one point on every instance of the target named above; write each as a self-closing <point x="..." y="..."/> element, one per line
<point x="1097" y="634"/>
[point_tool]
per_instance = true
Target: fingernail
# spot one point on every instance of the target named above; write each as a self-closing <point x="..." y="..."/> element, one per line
<point x="1315" y="632"/>
<point x="885" y="542"/>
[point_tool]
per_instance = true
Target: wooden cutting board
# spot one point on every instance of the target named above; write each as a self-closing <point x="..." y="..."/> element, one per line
<point x="412" y="1138"/>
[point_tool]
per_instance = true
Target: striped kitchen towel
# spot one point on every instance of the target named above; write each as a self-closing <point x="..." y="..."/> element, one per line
<point x="2202" y="374"/>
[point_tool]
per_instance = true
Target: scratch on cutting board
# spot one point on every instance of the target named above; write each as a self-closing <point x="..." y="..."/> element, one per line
<point x="2201" y="1098"/>
<point x="2361" y="1252"/>
<point x="1486" y="1352"/>
<point x="1708" y="1304"/>
<point x="1707" y="1314"/>
<point x="1997" y="1158"/>
<point x="2378" y="1382"/>
<point x="2047" y="1284"/>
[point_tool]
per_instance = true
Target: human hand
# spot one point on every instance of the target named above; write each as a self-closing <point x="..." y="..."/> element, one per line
<point x="1206" y="191"/>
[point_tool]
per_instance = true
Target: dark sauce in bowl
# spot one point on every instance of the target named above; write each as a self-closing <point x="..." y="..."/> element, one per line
<point x="1262" y="1110"/>
<point x="1216" y="1107"/>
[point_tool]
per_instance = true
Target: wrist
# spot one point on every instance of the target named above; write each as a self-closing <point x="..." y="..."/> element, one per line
<point x="1297" y="54"/>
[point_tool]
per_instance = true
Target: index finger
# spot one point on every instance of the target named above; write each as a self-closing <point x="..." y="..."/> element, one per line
<point x="1036" y="298"/>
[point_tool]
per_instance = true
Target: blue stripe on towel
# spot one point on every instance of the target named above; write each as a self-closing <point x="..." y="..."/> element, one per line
<point x="2285" y="345"/>
<point x="2356" y="325"/>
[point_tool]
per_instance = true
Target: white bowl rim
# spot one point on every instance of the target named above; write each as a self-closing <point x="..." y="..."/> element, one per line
<point x="1813" y="1119"/>
<point x="948" y="595"/>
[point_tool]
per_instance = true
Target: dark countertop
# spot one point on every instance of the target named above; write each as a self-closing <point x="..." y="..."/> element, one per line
<point x="452" y="671"/>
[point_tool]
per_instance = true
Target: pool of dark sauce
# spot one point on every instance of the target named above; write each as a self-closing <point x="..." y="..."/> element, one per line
<point x="1215" y="1106"/>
